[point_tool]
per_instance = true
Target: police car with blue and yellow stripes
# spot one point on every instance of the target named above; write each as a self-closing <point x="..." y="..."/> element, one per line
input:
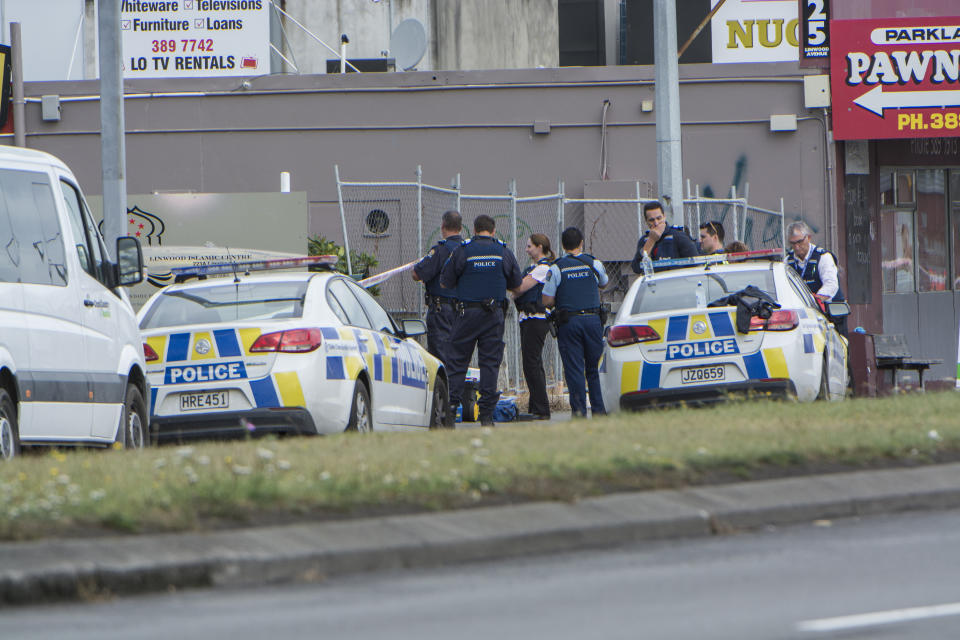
<point x="718" y="326"/>
<point x="307" y="352"/>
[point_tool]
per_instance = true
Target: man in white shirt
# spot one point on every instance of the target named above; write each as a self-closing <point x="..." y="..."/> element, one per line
<point x="816" y="266"/>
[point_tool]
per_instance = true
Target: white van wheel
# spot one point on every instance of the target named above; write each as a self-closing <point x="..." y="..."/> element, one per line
<point x="133" y="430"/>
<point x="9" y="433"/>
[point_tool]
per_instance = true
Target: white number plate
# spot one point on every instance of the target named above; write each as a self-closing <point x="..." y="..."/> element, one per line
<point x="205" y="400"/>
<point x="697" y="375"/>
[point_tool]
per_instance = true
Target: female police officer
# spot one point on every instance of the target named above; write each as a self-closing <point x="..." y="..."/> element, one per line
<point x="533" y="323"/>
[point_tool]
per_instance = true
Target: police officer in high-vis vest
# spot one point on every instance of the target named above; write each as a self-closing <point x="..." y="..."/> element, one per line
<point x="441" y="302"/>
<point x="480" y="270"/>
<point x="817" y="267"/>
<point x="573" y="289"/>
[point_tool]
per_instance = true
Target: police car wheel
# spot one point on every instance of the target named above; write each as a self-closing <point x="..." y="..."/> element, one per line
<point x="361" y="419"/>
<point x="9" y="433"/>
<point x="440" y="415"/>
<point x="133" y="432"/>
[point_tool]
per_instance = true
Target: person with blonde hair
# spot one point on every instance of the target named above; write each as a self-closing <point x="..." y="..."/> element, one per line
<point x="534" y="324"/>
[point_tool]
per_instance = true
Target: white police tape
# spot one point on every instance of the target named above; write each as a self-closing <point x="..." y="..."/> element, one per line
<point x="386" y="275"/>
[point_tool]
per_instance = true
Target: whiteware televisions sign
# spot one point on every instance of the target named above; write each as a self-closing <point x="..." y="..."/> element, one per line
<point x="191" y="38"/>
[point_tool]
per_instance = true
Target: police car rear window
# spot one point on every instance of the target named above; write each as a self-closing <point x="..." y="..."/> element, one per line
<point x="682" y="292"/>
<point x="244" y="301"/>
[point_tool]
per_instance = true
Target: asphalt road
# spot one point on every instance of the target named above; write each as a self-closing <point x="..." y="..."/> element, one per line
<point x="793" y="583"/>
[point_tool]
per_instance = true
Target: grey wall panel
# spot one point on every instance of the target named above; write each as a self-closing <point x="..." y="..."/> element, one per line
<point x="938" y="333"/>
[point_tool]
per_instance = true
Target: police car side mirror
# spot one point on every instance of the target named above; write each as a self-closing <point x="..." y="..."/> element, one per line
<point x="129" y="267"/>
<point x="412" y="328"/>
<point x="838" y="309"/>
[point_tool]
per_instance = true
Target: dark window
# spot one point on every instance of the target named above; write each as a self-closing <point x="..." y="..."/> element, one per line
<point x="581" y="33"/>
<point x="337" y="289"/>
<point x="233" y="302"/>
<point x="89" y="246"/>
<point x="638" y="31"/>
<point x="53" y="250"/>
<point x="378" y="316"/>
<point x="34" y="248"/>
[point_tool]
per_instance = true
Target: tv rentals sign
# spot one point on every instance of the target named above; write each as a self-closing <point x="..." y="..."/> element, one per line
<point x="190" y="38"/>
<point x="895" y="78"/>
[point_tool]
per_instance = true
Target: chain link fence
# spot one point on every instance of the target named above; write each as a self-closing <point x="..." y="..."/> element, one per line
<point x="398" y="222"/>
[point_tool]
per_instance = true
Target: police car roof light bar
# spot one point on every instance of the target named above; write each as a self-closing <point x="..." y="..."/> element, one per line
<point x="719" y="258"/>
<point x="220" y="268"/>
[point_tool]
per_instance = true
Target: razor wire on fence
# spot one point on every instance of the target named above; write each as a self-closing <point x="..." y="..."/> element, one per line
<point x="398" y="222"/>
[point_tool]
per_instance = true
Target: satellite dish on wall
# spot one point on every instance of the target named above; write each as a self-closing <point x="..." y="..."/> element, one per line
<point x="408" y="43"/>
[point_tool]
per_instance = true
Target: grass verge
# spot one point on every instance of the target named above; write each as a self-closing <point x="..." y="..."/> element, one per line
<point x="209" y="485"/>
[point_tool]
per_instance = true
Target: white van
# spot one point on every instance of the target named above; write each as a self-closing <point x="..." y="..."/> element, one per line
<point x="71" y="359"/>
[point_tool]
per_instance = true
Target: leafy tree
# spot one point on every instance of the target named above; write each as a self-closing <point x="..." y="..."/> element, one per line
<point x="361" y="262"/>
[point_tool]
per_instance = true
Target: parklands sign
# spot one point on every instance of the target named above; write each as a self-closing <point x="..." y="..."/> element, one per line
<point x="896" y="78"/>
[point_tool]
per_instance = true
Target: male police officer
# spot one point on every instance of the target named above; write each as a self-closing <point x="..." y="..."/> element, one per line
<point x="661" y="241"/>
<point x="440" y="301"/>
<point x="481" y="270"/>
<point x="573" y="287"/>
<point x="817" y="267"/>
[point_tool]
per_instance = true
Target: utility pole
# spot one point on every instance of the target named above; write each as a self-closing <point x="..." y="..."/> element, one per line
<point x="667" y="85"/>
<point x="112" y="148"/>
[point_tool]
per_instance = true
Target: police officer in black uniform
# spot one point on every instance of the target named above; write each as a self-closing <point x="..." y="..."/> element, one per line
<point x="817" y="267"/>
<point x="480" y="270"/>
<point x="441" y="302"/>
<point x="573" y="288"/>
<point x="534" y="324"/>
<point x="661" y="241"/>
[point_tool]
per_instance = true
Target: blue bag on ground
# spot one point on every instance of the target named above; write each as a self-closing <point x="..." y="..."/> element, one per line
<point x="506" y="410"/>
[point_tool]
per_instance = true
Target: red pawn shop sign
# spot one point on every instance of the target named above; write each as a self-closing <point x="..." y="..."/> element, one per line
<point x="895" y="78"/>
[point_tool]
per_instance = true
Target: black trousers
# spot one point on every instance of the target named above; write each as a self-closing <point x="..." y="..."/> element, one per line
<point x="533" y="333"/>
<point x="483" y="330"/>
<point x="439" y="325"/>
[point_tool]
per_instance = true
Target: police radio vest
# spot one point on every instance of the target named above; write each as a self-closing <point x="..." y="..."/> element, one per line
<point x="532" y="299"/>
<point x="482" y="277"/>
<point x="442" y="250"/>
<point x="578" y="288"/>
<point x="811" y="272"/>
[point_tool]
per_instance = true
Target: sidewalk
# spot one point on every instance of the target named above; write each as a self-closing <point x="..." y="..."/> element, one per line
<point x="33" y="572"/>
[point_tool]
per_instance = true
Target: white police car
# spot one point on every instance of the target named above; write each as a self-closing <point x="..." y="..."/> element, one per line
<point x="292" y="353"/>
<point x="668" y="346"/>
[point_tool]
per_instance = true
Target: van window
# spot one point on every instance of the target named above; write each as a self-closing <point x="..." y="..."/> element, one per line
<point x="35" y="246"/>
<point x="89" y="249"/>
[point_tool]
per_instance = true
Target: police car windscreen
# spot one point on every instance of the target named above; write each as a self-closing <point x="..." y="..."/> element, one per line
<point x="246" y="301"/>
<point x="695" y="291"/>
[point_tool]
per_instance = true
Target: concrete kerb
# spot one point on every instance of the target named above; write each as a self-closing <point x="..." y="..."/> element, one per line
<point x="52" y="570"/>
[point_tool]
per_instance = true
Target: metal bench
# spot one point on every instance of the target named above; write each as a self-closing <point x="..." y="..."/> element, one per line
<point x="891" y="352"/>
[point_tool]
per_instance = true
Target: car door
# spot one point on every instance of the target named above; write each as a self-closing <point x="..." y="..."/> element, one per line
<point x="101" y="313"/>
<point x="407" y="385"/>
<point x="359" y="327"/>
<point x="55" y="388"/>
